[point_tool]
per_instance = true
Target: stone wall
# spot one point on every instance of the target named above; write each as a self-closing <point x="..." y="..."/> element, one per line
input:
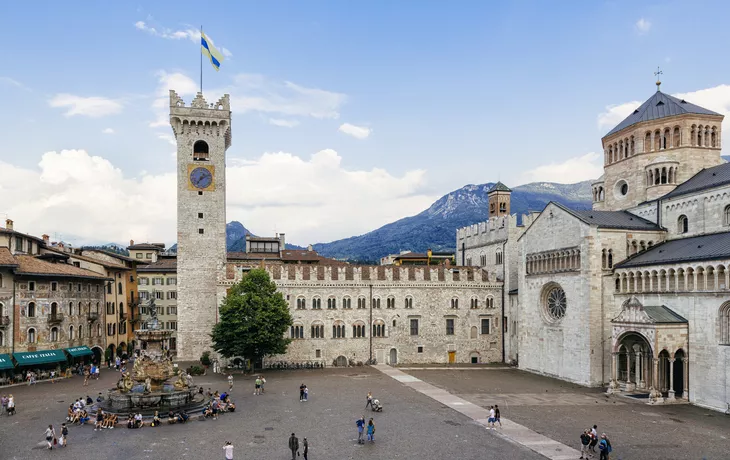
<point x="6" y="305"/>
<point x="705" y="212"/>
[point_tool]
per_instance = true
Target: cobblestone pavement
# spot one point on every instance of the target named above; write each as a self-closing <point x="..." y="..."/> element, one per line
<point x="412" y="426"/>
<point x="561" y="410"/>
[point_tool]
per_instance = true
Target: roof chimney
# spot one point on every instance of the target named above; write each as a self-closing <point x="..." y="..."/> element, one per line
<point x="46" y="238"/>
<point x="131" y="242"/>
<point x="8" y="224"/>
<point x="310" y="248"/>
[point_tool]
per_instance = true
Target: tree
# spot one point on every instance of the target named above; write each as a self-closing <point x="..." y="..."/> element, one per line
<point x="253" y="319"/>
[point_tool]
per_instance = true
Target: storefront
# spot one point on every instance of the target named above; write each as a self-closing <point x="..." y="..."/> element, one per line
<point x="40" y="362"/>
<point x="6" y="369"/>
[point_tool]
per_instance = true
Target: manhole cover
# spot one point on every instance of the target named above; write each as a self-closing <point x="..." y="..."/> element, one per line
<point x="269" y="428"/>
<point x="258" y="439"/>
<point x="452" y="423"/>
<point x="59" y="401"/>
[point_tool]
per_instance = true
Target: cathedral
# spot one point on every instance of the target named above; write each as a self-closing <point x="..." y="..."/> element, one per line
<point x="633" y="294"/>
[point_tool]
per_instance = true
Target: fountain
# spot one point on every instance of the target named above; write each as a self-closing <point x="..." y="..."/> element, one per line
<point x="145" y="387"/>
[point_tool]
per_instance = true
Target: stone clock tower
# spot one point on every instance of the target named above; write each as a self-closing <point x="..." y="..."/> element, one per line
<point x="203" y="134"/>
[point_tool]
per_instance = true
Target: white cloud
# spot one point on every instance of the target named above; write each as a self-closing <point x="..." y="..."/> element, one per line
<point x="12" y="82"/>
<point x="358" y="132"/>
<point x="643" y="26"/>
<point x="181" y="83"/>
<point x="256" y="93"/>
<point x="107" y="131"/>
<point x="88" y="106"/>
<point x="283" y="123"/>
<point x="169" y="138"/>
<point x="187" y="33"/>
<point x="572" y="170"/>
<point x="276" y="190"/>
<point x="716" y="99"/>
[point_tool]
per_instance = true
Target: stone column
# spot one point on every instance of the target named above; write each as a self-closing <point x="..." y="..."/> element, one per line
<point x="613" y="385"/>
<point x="629" y="386"/>
<point x="685" y="365"/>
<point x="654" y="393"/>
<point x="639" y="377"/>
<point x="671" y="379"/>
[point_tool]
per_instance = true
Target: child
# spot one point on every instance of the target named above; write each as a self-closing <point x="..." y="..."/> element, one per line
<point x="228" y="449"/>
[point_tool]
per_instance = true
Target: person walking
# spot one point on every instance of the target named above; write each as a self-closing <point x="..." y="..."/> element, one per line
<point x="257" y="391"/>
<point x="301" y="391"/>
<point x="492" y="418"/>
<point x="64" y="434"/>
<point x="50" y="436"/>
<point x="306" y="393"/>
<point x="263" y="383"/>
<point x="497" y="416"/>
<point x="98" y="371"/>
<point x="585" y="440"/>
<point x="371" y="430"/>
<point x="369" y="400"/>
<point x="294" y="446"/>
<point x="11" y="405"/>
<point x="3" y="404"/>
<point x="360" y="428"/>
<point x="86" y="377"/>
<point x="230" y="382"/>
<point x="604" y="446"/>
<point x="306" y="448"/>
<point x="594" y="438"/>
<point x="228" y="450"/>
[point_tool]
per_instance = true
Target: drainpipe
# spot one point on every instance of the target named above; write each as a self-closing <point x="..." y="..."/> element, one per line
<point x="504" y="281"/>
<point x="371" y="323"/>
<point x="15" y="316"/>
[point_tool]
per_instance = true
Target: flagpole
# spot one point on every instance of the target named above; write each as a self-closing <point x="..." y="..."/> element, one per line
<point x="201" y="60"/>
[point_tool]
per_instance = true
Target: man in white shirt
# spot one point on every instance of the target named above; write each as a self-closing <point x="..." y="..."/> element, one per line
<point x="492" y="418"/>
<point x="228" y="448"/>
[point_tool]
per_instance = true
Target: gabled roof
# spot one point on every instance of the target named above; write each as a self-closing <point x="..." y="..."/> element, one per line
<point x="155" y="246"/>
<point x="13" y="232"/>
<point x="707" y="178"/>
<point x="29" y="265"/>
<point x="164" y="264"/>
<point x="610" y="219"/>
<point x="660" y="105"/>
<point x="6" y="258"/>
<point x="706" y="247"/>
<point x="662" y="314"/>
<point x="499" y="187"/>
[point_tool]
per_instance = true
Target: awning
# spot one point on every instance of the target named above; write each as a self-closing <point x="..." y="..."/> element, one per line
<point x="78" y="352"/>
<point x="5" y="362"/>
<point x="30" y="358"/>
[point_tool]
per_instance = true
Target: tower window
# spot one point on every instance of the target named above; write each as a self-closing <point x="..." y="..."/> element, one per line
<point x="201" y="231"/>
<point x="200" y="215"/>
<point x="199" y="192"/>
<point x="200" y="151"/>
<point x="682" y="224"/>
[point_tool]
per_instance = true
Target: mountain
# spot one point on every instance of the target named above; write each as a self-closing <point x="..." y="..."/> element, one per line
<point x="435" y="228"/>
<point x="236" y="236"/>
<point x="111" y="247"/>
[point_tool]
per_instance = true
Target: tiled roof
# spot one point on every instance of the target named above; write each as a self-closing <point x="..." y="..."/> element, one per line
<point x="706" y="247"/>
<point x="611" y="219"/>
<point x="92" y="260"/>
<point x="5" y="230"/>
<point x="300" y="254"/>
<point x="705" y="179"/>
<point x="113" y="254"/>
<point x="660" y="105"/>
<point x="29" y="265"/>
<point x="6" y="258"/>
<point x="661" y="314"/>
<point x="499" y="187"/>
<point x="156" y="246"/>
<point x="163" y="264"/>
<point x="253" y="256"/>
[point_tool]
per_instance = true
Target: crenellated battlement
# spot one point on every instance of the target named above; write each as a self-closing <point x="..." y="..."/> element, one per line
<point x="199" y="102"/>
<point x="498" y="225"/>
<point x="368" y="274"/>
<point x="201" y="118"/>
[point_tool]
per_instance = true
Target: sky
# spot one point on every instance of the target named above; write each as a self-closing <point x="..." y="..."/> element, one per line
<point x="346" y="115"/>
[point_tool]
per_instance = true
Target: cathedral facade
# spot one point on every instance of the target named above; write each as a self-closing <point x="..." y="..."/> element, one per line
<point x="633" y="294"/>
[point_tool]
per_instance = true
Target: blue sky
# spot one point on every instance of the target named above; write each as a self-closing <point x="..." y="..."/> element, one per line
<point x="437" y="95"/>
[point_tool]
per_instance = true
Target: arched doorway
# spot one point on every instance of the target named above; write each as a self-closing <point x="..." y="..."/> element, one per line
<point x="341" y="361"/>
<point x="97" y="355"/>
<point x="393" y="356"/>
<point x="664" y="374"/>
<point x="122" y="349"/>
<point x="632" y="362"/>
<point x="474" y="357"/>
<point x="110" y="352"/>
<point x="678" y="374"/>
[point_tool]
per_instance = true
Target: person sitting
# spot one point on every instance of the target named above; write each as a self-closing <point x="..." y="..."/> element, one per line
<point x="138" y="422"/>
<point x="155" y="419"/>
<point x="130" y="421"/>
<point x="83" y="417"/>
<point x="70" y="413"/>
<point x="113" y="419"/>
<point x="200" y="390"/>
<point x="75" y="417"/>
<point x="182" y="417"/>
<point x="224" y="395"/>
<point x="99" y="398"/>
<point x="171" y="419"/>
<point x="99" y="419"/>
<point x="89" y="401"/>
<point x="231" y="406"/>
<point x="208" y="412"/>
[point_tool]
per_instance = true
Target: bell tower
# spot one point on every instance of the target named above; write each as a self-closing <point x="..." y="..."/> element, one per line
<point x="203" y="134"/>
<point x="499" y="200"/>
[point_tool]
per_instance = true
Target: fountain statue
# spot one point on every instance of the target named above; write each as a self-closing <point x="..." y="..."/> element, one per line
<point x="145" y="387"/>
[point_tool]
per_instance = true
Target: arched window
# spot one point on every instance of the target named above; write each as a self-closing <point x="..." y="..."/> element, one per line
<point x="81" y="331"/>
<point x="676" y="137"/>
<point x="489" y="302"/>
<point x="31" y="310"/>
<point x="376" y="302"/>
<point x="361" y="303"/>
<point x="378" y="328"/>
<point x="610" y="258"/>
<point x="331" y="303"/>
<point x="647" y="142"/>
<point x="358" y="330"/>
<point x="71" y="332"/>
<point x="474" y="332"/>
<point x="409" y="302"/>
<point x="338" y="330"/>
<point x="120" y="291"/>
<point x="682" y="224"/>
<point x="54" y="334"/>
<point x="70" y="309"/>
<point x="317" y="303"/>
<point x="54" y="309"/>
<point x="2" y="339"/>
<point x="724" y="318"/>
<point x="31" y="335"/>
<point x="200" y="151"/>
<point x="317" y="330"/>
<point x="726" y="216"/>
<point x="297" y="331"/>
<point x="454" y="303"/>
<point x="474" y="303"/>
<point x="390" y="302"/>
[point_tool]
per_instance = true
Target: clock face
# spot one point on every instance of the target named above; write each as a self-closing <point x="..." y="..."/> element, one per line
<point x="201" y="178"/>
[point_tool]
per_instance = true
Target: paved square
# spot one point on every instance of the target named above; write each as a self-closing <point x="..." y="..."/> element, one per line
<point x="412" y="425"/>
<point x="561" y="410"/>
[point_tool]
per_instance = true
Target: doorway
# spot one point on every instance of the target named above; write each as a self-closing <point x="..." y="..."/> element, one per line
<point x="452" y="357"/>
<point x="341" y="361"/>
<point x="393" y="356"/>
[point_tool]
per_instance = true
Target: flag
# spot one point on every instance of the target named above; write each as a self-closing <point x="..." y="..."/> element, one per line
<point x="209" y="50"/>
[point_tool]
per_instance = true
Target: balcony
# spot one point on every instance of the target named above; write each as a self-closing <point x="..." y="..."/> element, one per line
<point x="92" y="317"/>
<point x="4" y="321"/>
<point x="55" y="318"/>
<point x="122" y="315"/>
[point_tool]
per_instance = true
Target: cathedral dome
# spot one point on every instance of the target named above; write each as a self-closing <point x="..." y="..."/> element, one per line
<point x="659" y="106"/>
